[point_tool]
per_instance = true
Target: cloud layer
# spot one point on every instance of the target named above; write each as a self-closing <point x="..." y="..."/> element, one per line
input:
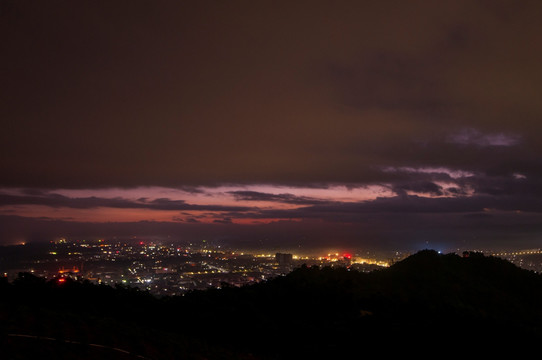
<point x="435" y="102"/>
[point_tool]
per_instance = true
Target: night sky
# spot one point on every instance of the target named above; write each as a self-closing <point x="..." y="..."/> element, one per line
<point x="276" y="124"/>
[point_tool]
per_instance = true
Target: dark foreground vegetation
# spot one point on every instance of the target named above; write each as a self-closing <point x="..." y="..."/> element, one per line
<point x="425" y="304"/>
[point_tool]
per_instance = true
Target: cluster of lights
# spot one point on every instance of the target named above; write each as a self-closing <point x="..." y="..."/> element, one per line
<point x="523" y="252"/>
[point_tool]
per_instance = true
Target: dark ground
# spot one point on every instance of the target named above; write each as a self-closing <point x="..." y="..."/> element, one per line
<point x="428" y="304"/>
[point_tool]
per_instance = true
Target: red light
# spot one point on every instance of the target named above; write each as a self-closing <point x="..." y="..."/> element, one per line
<point x="141" y="243"/>
<point x="61" y="280"/>
<point x="347" y="256"/>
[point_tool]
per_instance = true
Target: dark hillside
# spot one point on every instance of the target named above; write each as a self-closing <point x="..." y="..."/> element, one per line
<point x="425" y="303"/>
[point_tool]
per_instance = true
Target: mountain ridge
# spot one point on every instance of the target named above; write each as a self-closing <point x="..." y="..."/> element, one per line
<point x="431" y="300"/>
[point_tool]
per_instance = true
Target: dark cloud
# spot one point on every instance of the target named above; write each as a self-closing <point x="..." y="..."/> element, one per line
<point x="168" y="204"/>
<point x="423" y="187"/>
<point x="512" y="185"/>
<point x="284" y="198"/>
<point x="361" y="212"/>
<point x="223" y="221"/>
<point x="478" y="216"/>
<point x="57" y="200"/>
<point x="184" y="94"/>
<point x="33" y="192"/>
<point x="426" y="98"/>
<point x="456" y="191"/>
<point x="392" y="81"/>
<point x="192" y="220"/>
<point x="476" y="138"/>
<point x="418" y="204"/>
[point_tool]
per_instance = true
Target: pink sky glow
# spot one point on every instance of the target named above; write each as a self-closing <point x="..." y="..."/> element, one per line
<point x="201" y="196"/>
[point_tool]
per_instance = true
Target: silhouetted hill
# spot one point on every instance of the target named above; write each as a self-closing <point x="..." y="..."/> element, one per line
<point x="428" y="302"/>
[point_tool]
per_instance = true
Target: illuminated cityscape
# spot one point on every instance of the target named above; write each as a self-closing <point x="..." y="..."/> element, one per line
<point x="174" y="269"/>
<point x="167" y="269"/>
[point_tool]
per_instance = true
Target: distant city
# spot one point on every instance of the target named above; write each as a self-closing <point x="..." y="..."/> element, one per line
<point x="174" y="269"/>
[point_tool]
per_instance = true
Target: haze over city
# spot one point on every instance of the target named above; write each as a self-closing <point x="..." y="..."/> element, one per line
<point x="393" y="125"/>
